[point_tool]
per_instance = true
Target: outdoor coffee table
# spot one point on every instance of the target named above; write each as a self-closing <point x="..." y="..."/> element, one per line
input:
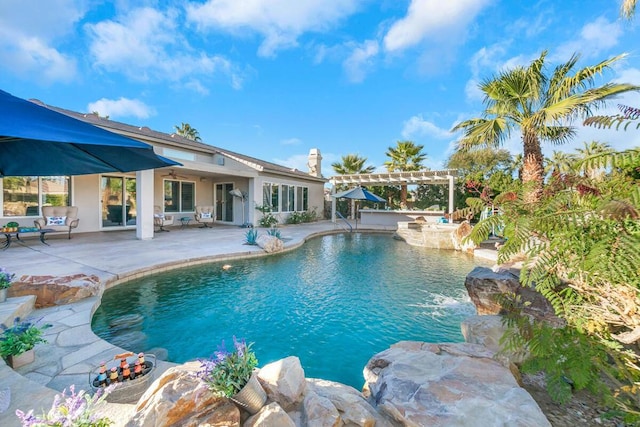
<point x="9" y="235"/>
<point x="185" y="221"/>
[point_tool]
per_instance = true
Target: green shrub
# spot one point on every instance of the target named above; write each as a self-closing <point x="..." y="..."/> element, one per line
<point x="268" y="219"/>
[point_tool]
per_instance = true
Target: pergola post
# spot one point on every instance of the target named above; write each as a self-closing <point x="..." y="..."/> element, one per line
<point x="333" y="204"/>
<point x="452" y="187"/>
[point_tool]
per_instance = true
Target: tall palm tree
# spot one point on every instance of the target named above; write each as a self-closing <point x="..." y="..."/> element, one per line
<point x="628" y="8"/>
<point x="406" y="156"/>
<point x="351" y="164"/>
<point x="542" y="107"/>
<point x="186" y="131"/>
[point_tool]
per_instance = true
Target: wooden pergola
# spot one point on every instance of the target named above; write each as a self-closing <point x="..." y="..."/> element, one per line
<point x="433" y="177"/>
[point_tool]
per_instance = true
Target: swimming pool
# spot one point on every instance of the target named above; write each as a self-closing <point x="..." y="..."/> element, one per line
<point x="334" y="303"/>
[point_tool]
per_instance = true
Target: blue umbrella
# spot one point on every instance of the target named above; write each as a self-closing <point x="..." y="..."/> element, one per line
<point x="359" y="193"/>
<point x="35" y="140"/>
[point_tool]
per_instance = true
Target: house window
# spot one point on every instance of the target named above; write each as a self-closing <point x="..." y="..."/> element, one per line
<point x="271" y="196"/>
<point x="288" y="198"/>
<point x="179" y="196"/>
<point x="302" y="200"/>
<point x="25" y="195"/>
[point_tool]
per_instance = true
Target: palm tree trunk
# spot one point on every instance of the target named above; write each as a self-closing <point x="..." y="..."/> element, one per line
<point x="532" y="169"/>
<point x="403" y="197"/>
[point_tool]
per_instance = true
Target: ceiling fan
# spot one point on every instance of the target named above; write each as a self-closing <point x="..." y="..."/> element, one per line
<point x="172" y="173"/>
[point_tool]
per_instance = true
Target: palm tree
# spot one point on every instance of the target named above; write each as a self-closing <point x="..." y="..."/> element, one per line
<point x="628" y="8"/>
<point x="559" y="162"/>
<point x="186" y="131"/>
<point x="406" y="156"/>
<point x="351" y="164"/>
<point x="541" y="106"/>
<point x="592" y="149"/>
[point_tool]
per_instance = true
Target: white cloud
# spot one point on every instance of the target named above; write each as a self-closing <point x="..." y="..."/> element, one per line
<point x="279" y="22"/>
<point x="146" y="43"/>
<point x="432" y="19"/>
<point x="595" y="37"/>
<point x="417" y="126"/>
<point x="122" y="107"/>
<point x="295" y="161"/>
<point x="360" y="60"/>
<point x="27" y="38"/>
<point x="291" y="141"/>
<point x="472" y="91"/>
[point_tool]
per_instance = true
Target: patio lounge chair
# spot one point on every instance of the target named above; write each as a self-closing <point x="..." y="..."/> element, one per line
<point x="204" y="215"/>
<point x="160" y="219"/>
<point x="58" y="218"/>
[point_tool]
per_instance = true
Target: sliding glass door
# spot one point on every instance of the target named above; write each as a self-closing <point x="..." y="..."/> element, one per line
<point x="224" y="202"/>
<point x="118" y="200"/>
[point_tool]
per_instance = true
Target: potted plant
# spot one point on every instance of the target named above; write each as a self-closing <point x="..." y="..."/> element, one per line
<point x="232" y="375"/>
<point x="17" y="342"/>
<point x="6" y="279"/>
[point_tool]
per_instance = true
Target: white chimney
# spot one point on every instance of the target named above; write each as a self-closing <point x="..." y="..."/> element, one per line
<point x="315" y="163"/>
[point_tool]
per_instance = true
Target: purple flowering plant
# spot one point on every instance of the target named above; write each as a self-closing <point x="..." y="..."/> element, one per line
<point x="227" y="372"/>
<point x="6" y="278"/>
<point x="75" y="410"/>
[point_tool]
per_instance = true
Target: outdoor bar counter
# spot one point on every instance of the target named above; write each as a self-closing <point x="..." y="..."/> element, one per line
<point x="392" y="217"/>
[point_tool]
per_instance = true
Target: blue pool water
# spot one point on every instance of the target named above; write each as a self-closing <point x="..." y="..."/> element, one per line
<point x="334" y="303"/>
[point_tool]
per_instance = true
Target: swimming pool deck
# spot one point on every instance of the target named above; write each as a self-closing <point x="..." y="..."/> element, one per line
<point x="73" y="350"/>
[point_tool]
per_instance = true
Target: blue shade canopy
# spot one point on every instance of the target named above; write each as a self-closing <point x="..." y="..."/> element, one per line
<point x="37" y="141"/>
<point x="359" y="193"/>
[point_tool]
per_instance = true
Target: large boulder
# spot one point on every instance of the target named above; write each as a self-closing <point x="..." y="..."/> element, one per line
<point x="353" y="408"/>
<point x="484" y="285"/>
<point x="421" y="384"/>
<point x="271" y="415"/>
<point x="488" y="331"/>
<point x="270" y="243"/>
<point x="459" y="235"/>
<point x="178" y="397"/>
<point x="320" y="412"/>
<point x="56" y="290"/>
<point x="284" y="382"/>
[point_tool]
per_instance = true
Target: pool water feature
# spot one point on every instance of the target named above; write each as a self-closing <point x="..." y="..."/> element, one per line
<point x="334" y="303"/>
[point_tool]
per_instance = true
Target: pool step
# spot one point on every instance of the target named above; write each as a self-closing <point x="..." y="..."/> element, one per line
<point x="16" y="307"/>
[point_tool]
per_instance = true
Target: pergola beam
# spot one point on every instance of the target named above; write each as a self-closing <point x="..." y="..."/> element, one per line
<point x="418" y="177"/>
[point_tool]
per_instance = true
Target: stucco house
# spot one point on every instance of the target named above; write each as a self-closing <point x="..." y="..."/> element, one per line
<point x="207" y="177"/>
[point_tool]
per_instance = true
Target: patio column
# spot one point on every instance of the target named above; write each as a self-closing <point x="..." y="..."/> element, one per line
<point x="250" y="203"/>
<point x="144" y="204"/>
<point x="452" y="187"/>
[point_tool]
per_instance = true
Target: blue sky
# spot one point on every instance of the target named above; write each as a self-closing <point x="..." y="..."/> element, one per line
<point x="275" y="78"/>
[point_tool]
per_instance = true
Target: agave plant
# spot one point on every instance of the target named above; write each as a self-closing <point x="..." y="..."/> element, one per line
<point x="251" y="236"/>
<point x="274" y="232"/>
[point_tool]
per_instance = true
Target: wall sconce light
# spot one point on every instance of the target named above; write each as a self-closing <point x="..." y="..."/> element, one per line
<point x="203" y="179"/>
